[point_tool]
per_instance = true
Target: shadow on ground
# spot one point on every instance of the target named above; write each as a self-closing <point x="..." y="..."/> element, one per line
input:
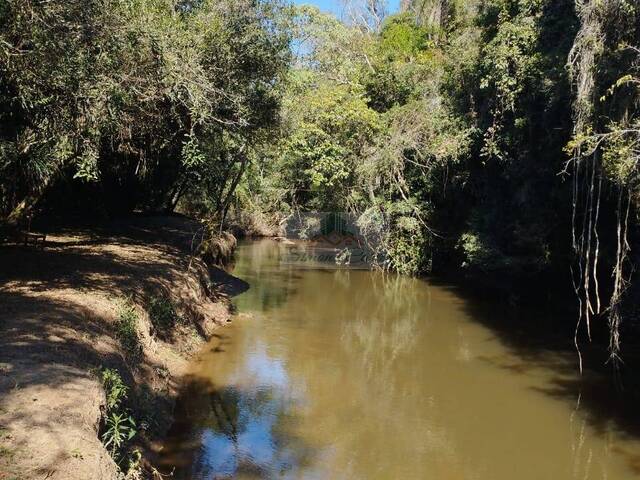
<point x="58" y="321"/>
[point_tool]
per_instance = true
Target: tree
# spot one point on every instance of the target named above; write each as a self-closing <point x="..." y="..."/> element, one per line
<point x="116" y="96"/>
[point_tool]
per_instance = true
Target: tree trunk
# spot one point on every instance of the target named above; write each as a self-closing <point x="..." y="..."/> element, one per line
<point x="27" y="204"/>
<point x="225" y="205"/>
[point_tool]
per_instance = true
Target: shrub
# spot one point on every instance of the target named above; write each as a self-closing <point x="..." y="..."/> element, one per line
<point x="119" y="426"/>
<point x="162" y="313"/>
<point x="115" y="389"/>
<point x="127" y="329"/>
<point x="120" y="429"/>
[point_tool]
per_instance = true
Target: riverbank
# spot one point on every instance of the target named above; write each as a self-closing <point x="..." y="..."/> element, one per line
<point x="65" y="309"/>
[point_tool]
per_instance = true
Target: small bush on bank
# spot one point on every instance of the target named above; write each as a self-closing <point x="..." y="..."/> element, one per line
<point x="114" y="388"/>
<point x="162" y="314"/>
<point x="127" y="329"/>
<point x="118" y="424"/>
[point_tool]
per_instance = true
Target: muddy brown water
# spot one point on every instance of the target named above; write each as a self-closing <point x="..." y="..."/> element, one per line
<point x="348" y="374"/>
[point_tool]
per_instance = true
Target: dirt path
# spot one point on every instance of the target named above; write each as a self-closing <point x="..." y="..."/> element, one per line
<point x="58" y="310"/>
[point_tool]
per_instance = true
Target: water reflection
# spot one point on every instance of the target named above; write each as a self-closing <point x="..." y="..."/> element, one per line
<point x="240" y="430"/>
<point x="357" y="375"/>
<point x="271" y="283"/>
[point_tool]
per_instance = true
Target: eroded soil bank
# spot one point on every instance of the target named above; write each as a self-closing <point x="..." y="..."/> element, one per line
<point x="59" y="313"/>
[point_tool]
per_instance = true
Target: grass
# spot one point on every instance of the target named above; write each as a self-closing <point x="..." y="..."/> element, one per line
<point x="6" y="453"/>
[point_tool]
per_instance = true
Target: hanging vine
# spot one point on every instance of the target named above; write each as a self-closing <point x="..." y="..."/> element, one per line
<point x="605" y="151"/>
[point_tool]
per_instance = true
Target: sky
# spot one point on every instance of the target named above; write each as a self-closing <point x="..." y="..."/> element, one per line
<point x="335" y="5"/>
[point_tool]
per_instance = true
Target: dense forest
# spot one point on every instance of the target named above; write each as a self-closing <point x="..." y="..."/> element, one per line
<point x="491" y="139"/>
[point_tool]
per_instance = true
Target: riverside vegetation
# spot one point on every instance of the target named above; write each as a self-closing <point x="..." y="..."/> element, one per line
<point x="492" y="140"/>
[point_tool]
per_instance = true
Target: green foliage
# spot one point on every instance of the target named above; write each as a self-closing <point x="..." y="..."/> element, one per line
<point x="400" y="61"/>
<point x="450" y="121"/>
<point x="127" y="329"/>
<point x="407" y="247"/>
<point x="119" y="424"/>
<point x="366" y="130"/>
<point x="115" y="389"/>
<point x="444" y="128"/>
<point x="521" y="91"/>
<point x="620" y="154"/>
<point x="509" y="59"/>
<point x="330" y="127"/>
<point x="134" y="466"/>
<point x="141" y="103"/>
<point x="120" y="428"/>
<point x="402" y="38"/>
<point x="604" y="66"/>
<point x="162" y="313"/>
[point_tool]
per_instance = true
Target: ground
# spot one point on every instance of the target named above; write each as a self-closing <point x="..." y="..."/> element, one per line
<point x="59" y="307"/>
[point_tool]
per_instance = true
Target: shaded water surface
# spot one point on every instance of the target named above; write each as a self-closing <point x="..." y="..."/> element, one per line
<point x="345" y="374"/>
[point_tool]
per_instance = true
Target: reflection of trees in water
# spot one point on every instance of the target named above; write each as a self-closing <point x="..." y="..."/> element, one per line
<point x="384" y="324"/>
<point x="234" y="433"/>
<point x="271" y="282"/>
<point x="356" y="333"/>
<point x="226" y="411"/>
<point x="266" y="296"/>
<point x="381" y="336"/>
<point x="356" y="358"/>
<point x="257" y="256"/>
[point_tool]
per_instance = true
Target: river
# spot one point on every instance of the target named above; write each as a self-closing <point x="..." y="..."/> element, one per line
<point x="332" y="373"/>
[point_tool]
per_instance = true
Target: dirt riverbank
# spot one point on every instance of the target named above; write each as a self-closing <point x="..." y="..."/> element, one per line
<point x="60" y="309"/>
